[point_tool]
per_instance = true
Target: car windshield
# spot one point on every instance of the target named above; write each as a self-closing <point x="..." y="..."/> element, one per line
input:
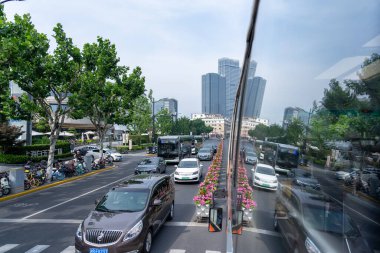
<point x="204" y="150"/>
<point x="149" y="162"/>
<point x="250" y="154"/>
<point x="329" y="220"/>
<point x="123" y="201"/>
<point x="265" y="170"/>
<point x="188" y="164"/>
<point x="302" y="173"/>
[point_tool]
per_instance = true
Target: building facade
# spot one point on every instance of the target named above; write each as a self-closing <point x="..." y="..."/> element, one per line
<point x="170" y="104"/>
<point x="254" y="95"/>
<point x="229" y="69"/>
<point x="213" y="94"/>
<point x="291" y="113"/>
<point x="221" y="125"/>
<point x="250" y="123"/>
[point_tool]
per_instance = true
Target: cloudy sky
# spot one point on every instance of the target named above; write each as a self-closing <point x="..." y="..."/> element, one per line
<point x="299" y="44"/>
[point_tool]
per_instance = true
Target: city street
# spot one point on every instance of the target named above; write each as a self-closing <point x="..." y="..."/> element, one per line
<point x="46" y="221"/>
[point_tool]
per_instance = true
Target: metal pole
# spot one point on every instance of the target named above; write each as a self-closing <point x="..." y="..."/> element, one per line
<point x="153" y="118"/>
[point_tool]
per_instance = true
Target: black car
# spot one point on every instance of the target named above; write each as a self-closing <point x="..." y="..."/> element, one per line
<point x="151" y="165"/>
<point x="310" y="221"/>
<point x="128" y="216"/>
<point x="304" y="178"/>
<point x="151" y="150"/>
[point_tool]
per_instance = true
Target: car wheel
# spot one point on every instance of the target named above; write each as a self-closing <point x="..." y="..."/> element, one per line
<point x="147" y="242"/>
<point x="171" y="213"/>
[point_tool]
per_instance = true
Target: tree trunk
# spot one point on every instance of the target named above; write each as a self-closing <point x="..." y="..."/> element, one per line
<point x="53" y="141"/>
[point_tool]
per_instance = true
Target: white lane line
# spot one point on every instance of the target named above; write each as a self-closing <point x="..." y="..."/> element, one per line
<point x="38" y="248"/>
<point x="362" y="215"/>
<point x="70" y="249"/>
<point x="177" y="251"/>
<point x="53" y="221"/>
<point x="184" y="224"/>
<point x="84" y="194"/>
<point x="7" y="247"/>
<point x="212" y="251"/>
<point x="262" y="231"/>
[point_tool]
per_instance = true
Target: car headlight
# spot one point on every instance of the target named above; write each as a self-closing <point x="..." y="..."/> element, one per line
<point x="257" y="178"/>
<point x="274" y="181"/>
<point x="135" y="231"/>
<point x="79" y="231"/>
<point x="299" y="182"/>
<point x="195" y="173"/>
<point x="310" y="246"/>
<point x="176" y="173"/>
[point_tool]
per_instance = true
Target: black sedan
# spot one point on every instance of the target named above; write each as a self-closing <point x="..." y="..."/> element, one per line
<point x="151" y="165"/>
<point x="304" y="178"/>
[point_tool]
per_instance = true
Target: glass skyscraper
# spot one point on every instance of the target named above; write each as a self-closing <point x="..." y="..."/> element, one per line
<point x="167" y="103"/>
<point x="213" y="94"/>
<point x="229" y="69"/>
<point x="291" y="113"/>
<point x="254" y="95"/>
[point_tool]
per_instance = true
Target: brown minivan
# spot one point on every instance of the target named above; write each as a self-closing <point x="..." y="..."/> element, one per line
<point x="128" y="216"/>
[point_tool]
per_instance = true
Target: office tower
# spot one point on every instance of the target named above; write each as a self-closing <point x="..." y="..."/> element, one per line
<point x="213" y="94"/>
<point x="252" y="69"/>
<point x="229" y="69"/>
<point x="254" y="95"/>
<point x="170" y="104"/>
<point x="291" y="113"/>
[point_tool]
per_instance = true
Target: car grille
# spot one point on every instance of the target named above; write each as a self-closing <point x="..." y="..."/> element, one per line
<point x="99" y="236"/>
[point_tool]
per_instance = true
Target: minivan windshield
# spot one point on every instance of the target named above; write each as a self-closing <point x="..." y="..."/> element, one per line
<point x="123" y="201"/>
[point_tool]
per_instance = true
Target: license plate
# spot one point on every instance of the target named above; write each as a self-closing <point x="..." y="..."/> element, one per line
<point x="143" y="172"/>
<point x="266" y="185"/>
<point x="185" y="178"/>
<point x="96" y="250"/>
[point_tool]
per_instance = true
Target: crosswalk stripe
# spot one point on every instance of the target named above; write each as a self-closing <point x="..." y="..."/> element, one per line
<point x="70" y="249"/>
<point x="177" y="251"/>
<point x="7" y="247"/>
<point x="38" y="248"/>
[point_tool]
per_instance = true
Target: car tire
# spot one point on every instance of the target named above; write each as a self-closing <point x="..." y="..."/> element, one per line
<point x="148" y="242"/>
<point x="171" y="212"/>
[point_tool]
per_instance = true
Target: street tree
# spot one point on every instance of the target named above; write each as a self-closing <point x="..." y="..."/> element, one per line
<point x="198" y="127"/>
<point x="9" y="136"/>
<point x="182" y="126"/>
<point x="47" y="79"/>
<point x="164" y="122"/>
<point x="140" y="115"/>
<point x="107" y="91"/>
<point x="295" y="132"/>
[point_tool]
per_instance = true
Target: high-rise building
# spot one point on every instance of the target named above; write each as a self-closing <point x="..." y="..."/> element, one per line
<point x="291" y="113"/>
<point x="213" y="94"/>
<point x="254" y="94"/>
<point x="252" y="69"/>
<point x="229" y="69"/>
<point x="170" y="104"/>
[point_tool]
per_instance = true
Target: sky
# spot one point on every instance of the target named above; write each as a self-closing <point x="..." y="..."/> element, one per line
<point x="299" y="45"/>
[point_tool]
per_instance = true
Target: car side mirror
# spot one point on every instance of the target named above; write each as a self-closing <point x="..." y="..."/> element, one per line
<point x="157" y="202"/>
<point x="201" y="165"/>
<point x="97" y="202"/>
<point x="215" y="219"/>
<point x="277" y="175"/>
<point x="175" y="166"/>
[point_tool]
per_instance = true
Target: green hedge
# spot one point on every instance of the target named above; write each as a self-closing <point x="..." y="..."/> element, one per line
<point x="139" y="139"/>
<point x="22" y="159"/>
<point x="122" y="149"/>
<point x="22" y="150"/>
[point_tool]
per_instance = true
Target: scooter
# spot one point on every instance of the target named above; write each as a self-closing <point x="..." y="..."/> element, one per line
<point x="57" y="175"/>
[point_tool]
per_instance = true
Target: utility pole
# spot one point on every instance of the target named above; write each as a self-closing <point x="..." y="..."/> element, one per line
<point x="153" y="119"/>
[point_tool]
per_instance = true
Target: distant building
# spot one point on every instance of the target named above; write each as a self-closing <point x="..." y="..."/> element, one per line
<point x="170" y="104"/>
<point x="213" y="94"/>
<point x="229" y="69"/>
<point x="291" y="113"/>
<point x="249" y="123"/>
<point x="221" y="125"/>
<point x="254" y="95"/>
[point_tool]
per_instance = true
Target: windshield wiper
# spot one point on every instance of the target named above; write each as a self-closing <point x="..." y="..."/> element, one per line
<point x="103" y="209"/>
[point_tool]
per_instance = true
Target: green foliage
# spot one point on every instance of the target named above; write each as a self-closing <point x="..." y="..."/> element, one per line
<point x="274" y="132"/>
<point x="22" y="159"/>
<point x="9" y="135"/>
<point x="164" y="122"/>
<point x="294" y="133"/>
<point x="122" y="149"/>
<point x="22" y="150"/>
<point x="182" y="126"/>
<point x="139" y="139"/>
<point x="140" y="115"/>
<point x="41" y="140"/>
<point x="41" y="125"/>
<point x="199" y="127"/>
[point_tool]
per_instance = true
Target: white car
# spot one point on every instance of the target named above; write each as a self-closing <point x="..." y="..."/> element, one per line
<point x="264" y="176"/>
<point x="342" y="174"/>
<point x="188" y="170"/>
<point x="95" y="153"/>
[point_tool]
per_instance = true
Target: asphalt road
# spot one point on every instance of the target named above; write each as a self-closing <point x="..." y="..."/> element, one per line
<point x="46" y="221"/>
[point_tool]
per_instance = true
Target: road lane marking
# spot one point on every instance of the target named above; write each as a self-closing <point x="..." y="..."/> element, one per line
<point x="262" y="231"/>
<point x="177" y="251"/>
<point x="48" y="221"/>
<point x="185" y="224"/>
<point x="84" y="194"/>
<point x="354" y="210"/>
<point x="70" y="249"/>
<point x="7" y="247"/>
<point x="38" y="248"/>
<point x="212" y="251"/>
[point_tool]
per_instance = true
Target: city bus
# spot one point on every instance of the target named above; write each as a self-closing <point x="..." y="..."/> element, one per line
<point x="282" y="157"/>
<point x="173" y="148"/>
